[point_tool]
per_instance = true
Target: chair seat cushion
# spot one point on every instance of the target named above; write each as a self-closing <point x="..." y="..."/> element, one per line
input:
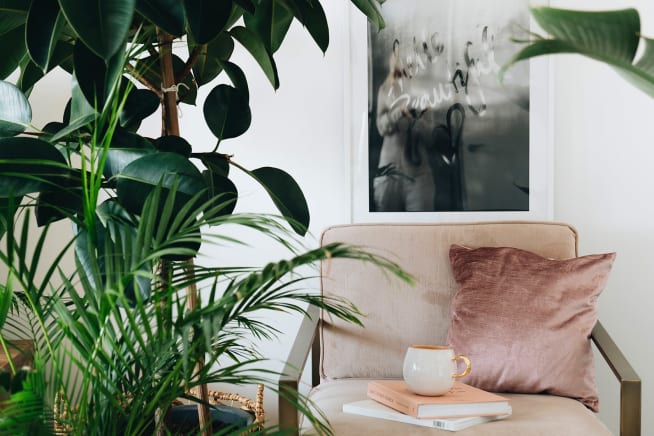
<point x="543" y="415"/>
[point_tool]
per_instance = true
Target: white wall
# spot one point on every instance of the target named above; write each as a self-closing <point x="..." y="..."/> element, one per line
<point x="604" y="132"/>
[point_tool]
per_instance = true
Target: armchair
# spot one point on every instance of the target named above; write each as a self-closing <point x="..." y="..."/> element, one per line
<point x="345" y="357"/>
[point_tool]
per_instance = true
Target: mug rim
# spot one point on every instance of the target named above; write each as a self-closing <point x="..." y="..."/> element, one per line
<point x="430" y="347"/>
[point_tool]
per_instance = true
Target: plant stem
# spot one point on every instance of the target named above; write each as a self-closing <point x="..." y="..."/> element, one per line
<point x="192" y="59"/>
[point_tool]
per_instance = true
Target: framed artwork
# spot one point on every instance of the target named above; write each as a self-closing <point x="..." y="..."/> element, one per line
<point x="434" y="134"/>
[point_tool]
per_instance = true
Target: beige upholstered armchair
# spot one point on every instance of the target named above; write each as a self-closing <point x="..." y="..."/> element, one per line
<point x="345" y="357"/>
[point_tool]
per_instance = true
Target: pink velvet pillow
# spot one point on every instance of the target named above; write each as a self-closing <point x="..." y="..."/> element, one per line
<point x="525" y="321"/>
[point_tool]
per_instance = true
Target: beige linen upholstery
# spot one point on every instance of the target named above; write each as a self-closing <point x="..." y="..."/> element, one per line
<point x="398" y="315"/>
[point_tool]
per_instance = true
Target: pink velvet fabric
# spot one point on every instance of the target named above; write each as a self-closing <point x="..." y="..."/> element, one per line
<point x="525" y="320"/>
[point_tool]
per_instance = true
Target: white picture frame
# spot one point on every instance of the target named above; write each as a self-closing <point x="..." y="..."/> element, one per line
<point x="358" y="93"/>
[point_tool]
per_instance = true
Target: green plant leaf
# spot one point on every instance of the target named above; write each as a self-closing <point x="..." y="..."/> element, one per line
<point x="216" y="163"/>
<point x="53" y="206"/>
<point x="209" y="62"/>
<point x="12" y="51"/>
<point x="206" y="18"/>
<point x="81" y="112"/>
<point x="44" y="23"/>
<point x="237" y="77"/>
<point x="15" y="110"/>
<point x="174" y="144"/>
<point x="271" y="21"/>
<point x="29" y="165"/>
<point x="96" y="78"/>
<point x="170" y="15"/>
<point x="140" y="104"/>
<point x="13" y="13"/>
<point x="372" y="11"/>
<point x="611" y="37"/>
<point x="101" y="24"/>
<point x="222" y="192"/>
<point x="287" y="196"/>
<point x="139" y="179"/>
<point x="125" y="148"/>
<point x="227" y="112"/>
<point x="246" y="5"/>
<point x="8" y="207"/>
<point x="253" y="43"/>
<point x="312" y="16"/>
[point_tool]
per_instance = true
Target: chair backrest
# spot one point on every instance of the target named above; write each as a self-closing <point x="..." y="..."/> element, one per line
<point x="397" y="314"/>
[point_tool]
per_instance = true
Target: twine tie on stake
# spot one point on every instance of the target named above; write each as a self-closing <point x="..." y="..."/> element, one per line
<point x="175" y="88"/>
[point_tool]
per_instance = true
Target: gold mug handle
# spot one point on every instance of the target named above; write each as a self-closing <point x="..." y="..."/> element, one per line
<point x="468" y="366"/>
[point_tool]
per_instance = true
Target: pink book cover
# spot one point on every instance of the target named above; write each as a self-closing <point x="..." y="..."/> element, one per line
<point x="461" y="400"/>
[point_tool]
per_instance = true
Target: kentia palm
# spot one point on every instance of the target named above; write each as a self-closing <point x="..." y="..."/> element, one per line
<point x="107" y="47"/>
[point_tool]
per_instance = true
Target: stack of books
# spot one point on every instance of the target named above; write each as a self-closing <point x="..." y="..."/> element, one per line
<point x="463" y="406"/>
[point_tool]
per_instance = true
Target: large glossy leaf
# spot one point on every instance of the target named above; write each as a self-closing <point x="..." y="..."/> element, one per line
<point x="101" y="24"/>
<point x="81" y="112"/>
<point x="206" y="18"/>
<point x="312" y="15"/>
<point x="15" y="110"/>
<point x="216" y="163"/>
<point x="149" y="67"/>
<point x="140" y="104"/>
<point x="125" y="148"/>
<point x="287" y="196"/>
<point x="271" y="22"/>
<point x="227" y="112"/>
<point x="611" y="37"/>
<point x="29" y="165"/>
<point x="139" y="179"/>
<point x="96" y="78"/>
<point x="56" y="205"/>
<point x="169" y="15"/>
<point x="237" y="77"/>
<point x="222" y="192"/>
<point x="13" y="13"/>
<point x="246" y="5"/>
<point x="212" y="55"/>
<point x="44" y="22"/>
<point x="253" y="43"/>
<point x="174" y="144"/>
<point x="371" y="10"/>
<point x="12" y="51"/>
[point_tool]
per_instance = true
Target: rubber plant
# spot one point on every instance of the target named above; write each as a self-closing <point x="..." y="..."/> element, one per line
<point x="612" y="37"/>
<point x="122" y="66"/>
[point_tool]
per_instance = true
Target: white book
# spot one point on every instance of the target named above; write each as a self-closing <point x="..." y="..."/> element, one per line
<point x="377" y="410"/>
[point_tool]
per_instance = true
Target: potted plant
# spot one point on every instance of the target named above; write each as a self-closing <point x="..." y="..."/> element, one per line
<point x="133" y="340"/>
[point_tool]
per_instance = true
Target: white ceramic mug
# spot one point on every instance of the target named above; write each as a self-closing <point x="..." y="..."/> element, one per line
<point x="431" y="369"/>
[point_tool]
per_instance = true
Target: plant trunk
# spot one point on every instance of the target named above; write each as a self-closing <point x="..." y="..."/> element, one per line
<point x="170" y="126"/>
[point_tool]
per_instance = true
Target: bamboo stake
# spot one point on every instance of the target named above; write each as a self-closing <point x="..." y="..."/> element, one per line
<point x="170" y="126"/>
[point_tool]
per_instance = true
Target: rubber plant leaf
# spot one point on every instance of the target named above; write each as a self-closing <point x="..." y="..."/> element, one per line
<point x="246" y="5"/>
<point x="174" y="144"/>
<point x="12" y="51"/>
<point x="287" y="196"/>
<point x="13" y="13"/>
<point x="206" y="18"/>
<point x="125" y="148"/>
<point x="271" y="21"/>
<point x="253" y="43"/>
<point x="169" y="15"/>
<point x="312" y="16"/>
<point x="138" y="179"/>
<point x="56" y="205"/>
<point x="371" y="9"/>
<point x="140" y="104"/>
<point x="611" y="37"/>
<point x="81" y="112"/>
<point x="29" y="165"/>
<point x="227" y="112"/>
<point x="44" y="24"/>
<point x="237" y="77"/>
<point x="102" y="25"/>
<point x="222" y="192"/>
<point x="96" y="78"/>
<point x="209" y="61"/>
<point x="15" y="110"/>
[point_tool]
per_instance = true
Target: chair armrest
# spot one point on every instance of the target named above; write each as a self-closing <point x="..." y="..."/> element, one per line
<point x="289" y="382"/>
<point x="630" y="384"/>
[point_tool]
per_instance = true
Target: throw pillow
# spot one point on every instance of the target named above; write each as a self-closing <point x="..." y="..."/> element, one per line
<point x="525" y="320"/>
